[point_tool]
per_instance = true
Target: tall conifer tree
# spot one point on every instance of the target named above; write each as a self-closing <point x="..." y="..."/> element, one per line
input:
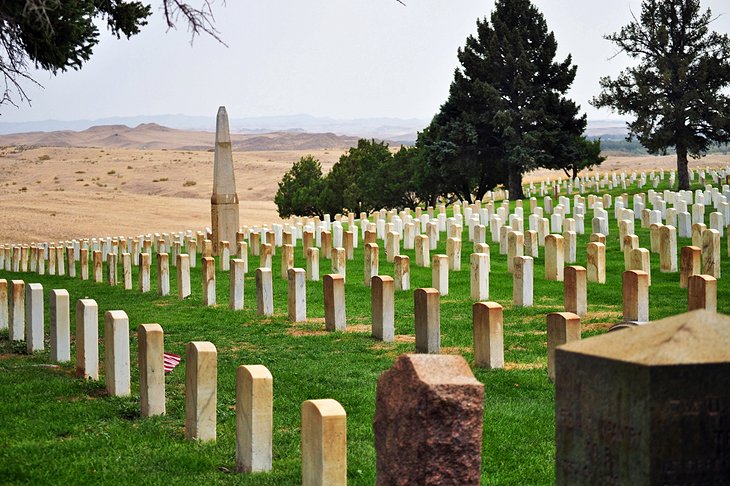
<point x="678" y="91"/>
<point x="507" y="112"/>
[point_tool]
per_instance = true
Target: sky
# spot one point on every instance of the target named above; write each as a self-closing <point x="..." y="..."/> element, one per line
<point x="334" y="58"/>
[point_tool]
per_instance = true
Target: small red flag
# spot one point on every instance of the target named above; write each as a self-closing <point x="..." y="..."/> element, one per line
<point x="171" y="360"/>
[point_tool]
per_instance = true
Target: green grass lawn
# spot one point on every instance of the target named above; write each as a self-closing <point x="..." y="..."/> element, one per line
<point x="57" y="429"/>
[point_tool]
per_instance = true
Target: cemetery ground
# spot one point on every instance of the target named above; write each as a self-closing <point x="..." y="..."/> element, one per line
<point x="55" y="193"/>
<point x="59" y="429"/>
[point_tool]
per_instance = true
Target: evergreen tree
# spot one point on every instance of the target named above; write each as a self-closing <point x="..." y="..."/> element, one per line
<point x="300" y="189"/>
<point x="507" y="112"/>
<point x="678" y="91"/>
<point x="358" y="181"/>
<point x="400" y="177"/>
<point x="581" y="154"/>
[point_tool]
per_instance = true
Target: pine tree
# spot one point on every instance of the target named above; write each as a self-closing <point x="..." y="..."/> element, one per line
<point x="678" y="91"/>
<point x="508" y="96"/>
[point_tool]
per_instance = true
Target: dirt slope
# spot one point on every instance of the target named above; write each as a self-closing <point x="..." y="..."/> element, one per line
<point x="52" y="193"/>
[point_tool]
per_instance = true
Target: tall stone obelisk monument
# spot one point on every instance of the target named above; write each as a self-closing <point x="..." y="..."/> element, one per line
<point x="224" y="202"/>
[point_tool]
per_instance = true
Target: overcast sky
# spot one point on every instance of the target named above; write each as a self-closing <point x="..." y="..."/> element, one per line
<point x="337" y="58"/>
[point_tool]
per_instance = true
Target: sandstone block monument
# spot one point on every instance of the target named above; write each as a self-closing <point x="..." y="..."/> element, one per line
<point x="645" y="405"/>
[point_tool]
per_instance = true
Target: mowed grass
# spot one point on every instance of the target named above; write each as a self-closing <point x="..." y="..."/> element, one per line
<point x="58" y="429"/>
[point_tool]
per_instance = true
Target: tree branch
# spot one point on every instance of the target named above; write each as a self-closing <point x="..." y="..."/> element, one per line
<point x="199" y="20"/>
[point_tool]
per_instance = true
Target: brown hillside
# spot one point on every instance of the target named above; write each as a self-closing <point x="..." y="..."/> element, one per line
<point x="153" y="136"/>
<point x="66" y="191"/>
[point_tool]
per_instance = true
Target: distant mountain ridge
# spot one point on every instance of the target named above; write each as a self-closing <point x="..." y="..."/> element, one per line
<point x="399" y="130"/>
<point x="395" y="129"/>
<point x="154" y="136"/>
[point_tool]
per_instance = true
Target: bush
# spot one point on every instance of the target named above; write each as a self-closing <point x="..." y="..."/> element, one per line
<point x="367" y="178"/>
<point x="300" y="189"/>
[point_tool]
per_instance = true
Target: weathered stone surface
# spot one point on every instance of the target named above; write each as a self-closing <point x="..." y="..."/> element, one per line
<point x="243" y="255"/>
<point x="423" y="256"/>
<point x="264" y="292"/>
<point x="690" y="263"/>
<point x="207" y="248"/>
<point x="440" y="273"/>
<point x="34" y="317"/>
<point x="287" y="260"/>
<point x="654" y="237"/>
<point x="571" y="244"/>
<point x="711" y="252"/>
<point x="254" y="418"/>
<point x="597" y="238"/>
<point x="702" y="293"/>
<point x="60" y="262"/>
<point x="532" y="248"/>
<point x="112" y="269"/>
<point x="98" y="266"/>
<point x="70" y="256"/>
<point x="392" y="246"/>
<point x="522" y="281"/>
<point x="59" y="308"/>
<point x="201" y="391"/>
<point x="641" y="260"/>
<point x="427" y="313"/>
<point x="504" y="232"/>
<point x="324" y="240"/>
<point x="208" y="281"/>
<point x="127" y="271"/>
<point x="562" y="327"/>
<point x="645" y="405"/>
<point x="402" y="272"/>
<point x="635" y="289"/>
<point x="479" y="276"/>
<point x="668" y="249"/>
<point x="144" y="272"/>
<point x="297" y="296"/>
<point x="515" y="247"/>
<point x="163" y="274"/>
<point x="339" y="262"/>
<point x="224" y="255"/>
<point x="183" y="276"/>
<point x="16" y="310"/>
<point x="554" y="254"/>
<point x="428" y="422"/>
<point x="312" y="264"/>
<point x="383" y="307"/>
<point x="256" y="243"/>
<point x="116" y="353"/>
<point x="87" y="339"/>
<point x="596" y="262"/>
<point x="236" y="285"/>
<point x="371" y="264"/>
<point x="488" y="335"/>
<point x="575" y="290"/>
<point x="83" y="264"/>
<point x="265" y="255"/>
<point x="335" y="317"/>
<point x="151" y="369"/>
<point x="324" y="443"/>
<point x="350" y="242"/>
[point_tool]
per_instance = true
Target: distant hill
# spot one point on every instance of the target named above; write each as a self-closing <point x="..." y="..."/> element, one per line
<point x="607" y="129"/>
<point x="154" y="136"/>
<point x="396" y="129"/>
<point x="253" y="133"/>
